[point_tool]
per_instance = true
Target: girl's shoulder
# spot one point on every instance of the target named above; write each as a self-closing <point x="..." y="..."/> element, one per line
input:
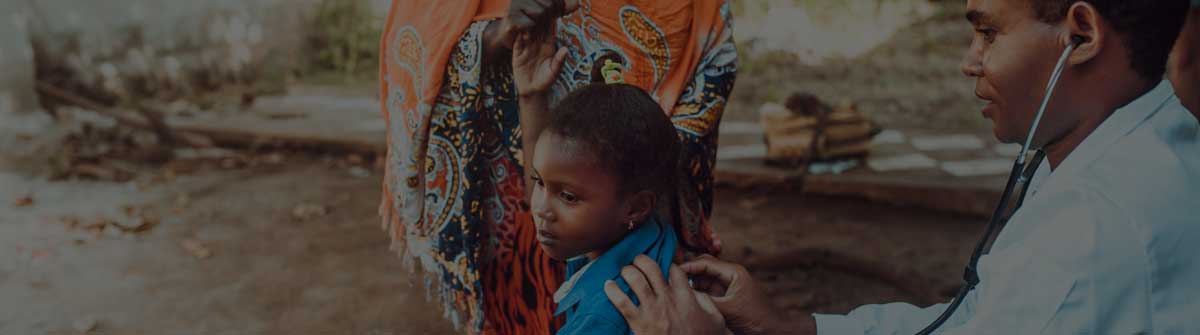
<point x="596" y="315"/>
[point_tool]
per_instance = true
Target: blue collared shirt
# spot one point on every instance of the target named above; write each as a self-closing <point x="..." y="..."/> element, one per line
<point x="587" y="307"/>
<point x="1105" y="244"/>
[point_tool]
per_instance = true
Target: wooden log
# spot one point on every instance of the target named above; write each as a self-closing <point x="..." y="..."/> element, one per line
<point x="148" y="120"/>
<point x="859" y="148"/>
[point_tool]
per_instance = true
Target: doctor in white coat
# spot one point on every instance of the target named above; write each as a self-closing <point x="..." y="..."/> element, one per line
<point x="1106" y="240"/>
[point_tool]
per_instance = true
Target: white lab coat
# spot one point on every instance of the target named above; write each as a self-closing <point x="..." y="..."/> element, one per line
<point x="1107" y="243"/>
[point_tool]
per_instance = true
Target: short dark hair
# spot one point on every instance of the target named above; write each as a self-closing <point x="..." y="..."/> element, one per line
<point x="1151" y="27"/>
<point x="626" y="130"/>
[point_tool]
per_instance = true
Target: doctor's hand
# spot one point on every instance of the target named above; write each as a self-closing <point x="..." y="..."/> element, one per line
<point x="746" y="308"/>
<point x="665" y="309"/>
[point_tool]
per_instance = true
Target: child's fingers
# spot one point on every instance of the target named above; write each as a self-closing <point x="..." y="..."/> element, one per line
<point x="523" y="43"/>
<point x="560" y="58"/>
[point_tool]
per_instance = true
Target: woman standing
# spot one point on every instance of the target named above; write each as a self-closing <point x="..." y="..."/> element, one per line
<point x="454" y="189"/>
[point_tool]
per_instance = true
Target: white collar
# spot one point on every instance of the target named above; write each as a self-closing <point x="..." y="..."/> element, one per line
<point x="570" y="283"/>
<point x="1115" y="127"/>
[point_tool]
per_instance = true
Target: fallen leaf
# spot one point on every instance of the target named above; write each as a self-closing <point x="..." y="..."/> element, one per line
<point x="145" y="184"/>
<point x="70" y="221"/>
<point x="179" y="167"/>
<point x="275" y="158"/>
<point x="752" y="203"/>
<point x="196" y="140"/>
<point x="229" y="163"/>
<point x="113" y="232"/>
<point x="139" y="224"/>
<point x="97" y="224"/>
<point x="96" y="171"/>
<point x="151" y="218"/>
<point x="196" y="248"/>
<point x="129" y="210"/>
<point x="182" y="201"/>
<point x="306" y="212"/>
<point x="24" y="201"/>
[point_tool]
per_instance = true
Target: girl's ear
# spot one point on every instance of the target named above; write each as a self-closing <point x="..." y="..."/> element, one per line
<point x="639" y="205"/>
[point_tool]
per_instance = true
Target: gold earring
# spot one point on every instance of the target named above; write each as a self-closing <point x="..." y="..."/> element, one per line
<point x="630" y="224"/>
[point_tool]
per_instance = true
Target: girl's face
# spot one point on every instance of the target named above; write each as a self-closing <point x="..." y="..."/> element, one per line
<point x="576" y="205"/>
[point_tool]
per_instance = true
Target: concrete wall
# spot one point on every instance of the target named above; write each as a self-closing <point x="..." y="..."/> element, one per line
<point x="225" y="35"/>
<point x="16" y="59"/>
<point x="165" y="22"/>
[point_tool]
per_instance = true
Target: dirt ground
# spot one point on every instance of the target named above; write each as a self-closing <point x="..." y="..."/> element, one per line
<point x="292" y="244"/>
<point x="829" y="255"/>
<point x="295" y="247"/>
<point x="267" y="272"/>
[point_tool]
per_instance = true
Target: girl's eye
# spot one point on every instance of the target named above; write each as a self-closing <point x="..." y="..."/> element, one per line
<point x="569" y="198"/>
<point x="537" y="181"/>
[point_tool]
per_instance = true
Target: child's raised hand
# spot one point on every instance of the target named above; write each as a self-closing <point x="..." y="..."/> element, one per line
<point x="536" y="62"/>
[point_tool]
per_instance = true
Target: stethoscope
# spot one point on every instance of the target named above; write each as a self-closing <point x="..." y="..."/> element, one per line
<point x="1022" y="171"/>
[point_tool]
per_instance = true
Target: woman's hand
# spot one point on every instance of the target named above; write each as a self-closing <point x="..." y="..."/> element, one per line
<point x="523" y="16"/>
<point x="536" y="62"/>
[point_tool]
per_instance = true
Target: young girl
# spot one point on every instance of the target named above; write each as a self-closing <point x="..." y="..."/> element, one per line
<point x="454" y="201"/>
<point x="600" y="164"/>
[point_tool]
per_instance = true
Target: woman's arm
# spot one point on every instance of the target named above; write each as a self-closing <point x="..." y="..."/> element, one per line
<point x="696" y="116"/>
<point x="497" y="41"/>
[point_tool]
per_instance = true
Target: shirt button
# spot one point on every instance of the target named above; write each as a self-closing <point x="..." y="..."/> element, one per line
<point x="412" y="182"/>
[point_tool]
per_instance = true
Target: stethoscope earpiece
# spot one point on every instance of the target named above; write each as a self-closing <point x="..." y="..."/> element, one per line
<point x="1076" y="40"/>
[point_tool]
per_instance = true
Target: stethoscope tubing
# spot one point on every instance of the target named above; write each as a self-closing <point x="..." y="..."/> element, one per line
<point x="1020" y="174"/>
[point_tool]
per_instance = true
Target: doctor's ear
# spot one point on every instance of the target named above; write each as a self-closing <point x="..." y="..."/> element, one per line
<point x="1085" y="29"/>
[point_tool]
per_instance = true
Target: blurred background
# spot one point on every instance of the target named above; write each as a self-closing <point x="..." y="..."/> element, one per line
<point x="213" y="167"/>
